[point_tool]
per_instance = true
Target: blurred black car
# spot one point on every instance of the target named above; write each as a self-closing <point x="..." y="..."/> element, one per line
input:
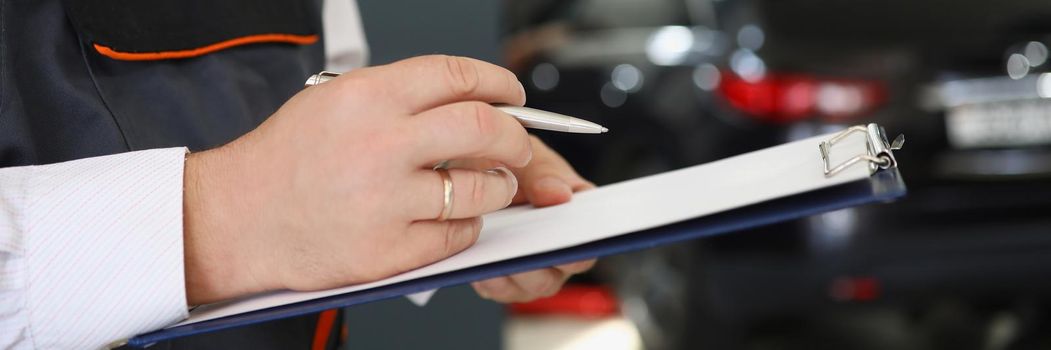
<point x="962" y="263"/>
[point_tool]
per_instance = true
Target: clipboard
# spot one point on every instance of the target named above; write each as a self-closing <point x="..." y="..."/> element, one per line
<point x="850" y="168"/>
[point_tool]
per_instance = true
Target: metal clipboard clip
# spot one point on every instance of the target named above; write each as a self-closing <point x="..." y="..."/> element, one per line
<point x="880" y="153"/>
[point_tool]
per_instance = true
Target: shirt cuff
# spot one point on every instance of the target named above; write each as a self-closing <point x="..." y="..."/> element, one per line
<point x="103" y="249"/>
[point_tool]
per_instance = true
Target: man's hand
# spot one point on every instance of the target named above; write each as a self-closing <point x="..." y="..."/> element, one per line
<point x="336" y="188"/>
<point x="547" y="180"/>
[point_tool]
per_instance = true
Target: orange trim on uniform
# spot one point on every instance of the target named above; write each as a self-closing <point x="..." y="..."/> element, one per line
<point x="244" y="40"/>
<point x="324" y="328"/>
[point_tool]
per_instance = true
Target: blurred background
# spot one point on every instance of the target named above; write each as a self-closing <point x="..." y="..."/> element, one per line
<point x="963" y="262"/>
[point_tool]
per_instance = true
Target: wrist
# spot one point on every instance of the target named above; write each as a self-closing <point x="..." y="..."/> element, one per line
<point x="217" y="260"/>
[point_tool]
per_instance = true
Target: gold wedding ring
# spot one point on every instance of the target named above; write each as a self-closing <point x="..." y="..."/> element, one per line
<point x="447" y="193"/>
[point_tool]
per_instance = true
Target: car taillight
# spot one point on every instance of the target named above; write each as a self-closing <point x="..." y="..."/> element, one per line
<point x="783" y="98"/>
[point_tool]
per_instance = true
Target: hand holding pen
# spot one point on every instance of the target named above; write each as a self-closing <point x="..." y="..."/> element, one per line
<point x="312" y="199"/>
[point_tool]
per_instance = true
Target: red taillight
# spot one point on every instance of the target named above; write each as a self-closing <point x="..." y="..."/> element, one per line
<point x="578" y="300"/>
<point x="855" y="289"/>
<point x="783" y="98"/>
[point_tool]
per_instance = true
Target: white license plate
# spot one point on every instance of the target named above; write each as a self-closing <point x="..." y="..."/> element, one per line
<point x="1000" y="124"/>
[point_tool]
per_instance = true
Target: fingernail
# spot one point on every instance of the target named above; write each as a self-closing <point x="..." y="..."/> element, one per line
<point x="552" y="184"/>
<point x="505" y="172"/>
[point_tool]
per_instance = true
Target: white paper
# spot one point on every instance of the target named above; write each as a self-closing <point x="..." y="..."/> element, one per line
<point x="617" y="209"/>
<point x="421" y="298"/>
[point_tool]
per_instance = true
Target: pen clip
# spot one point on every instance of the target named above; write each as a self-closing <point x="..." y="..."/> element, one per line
<point x="319" y="78"/>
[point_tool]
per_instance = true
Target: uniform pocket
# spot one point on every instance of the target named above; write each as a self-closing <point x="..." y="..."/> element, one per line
<point x="195" y="73"/>
<point x="148" y="30"/>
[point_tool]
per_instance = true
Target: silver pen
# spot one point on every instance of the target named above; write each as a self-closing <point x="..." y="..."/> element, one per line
<point x="529" y="117"/>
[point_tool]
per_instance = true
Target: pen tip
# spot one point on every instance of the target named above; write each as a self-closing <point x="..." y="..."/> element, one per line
<point x="605" y="130"/>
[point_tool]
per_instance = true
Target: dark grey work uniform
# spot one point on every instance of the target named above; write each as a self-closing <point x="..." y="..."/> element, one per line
<point x="60" y="100"/>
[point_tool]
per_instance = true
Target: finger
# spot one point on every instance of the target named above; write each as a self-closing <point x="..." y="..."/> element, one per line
<point x="499" y="289"/>
<point x="540" y="283"/>
<point x="548" y="179"/>
<point x="475" y="192"/>
<point x="470" y="130"/>
<point x="510" y="289"/>
<point x="576" y="267"/>
<point x="521" y="287"/>
<point x="431" y="241"/>
<point x="473" y="163"/>
<point x="425" y="82"/>
<point x="482" y="164"/>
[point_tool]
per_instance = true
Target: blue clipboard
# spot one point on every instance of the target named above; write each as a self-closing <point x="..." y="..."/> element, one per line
<point x="884" y="185"/>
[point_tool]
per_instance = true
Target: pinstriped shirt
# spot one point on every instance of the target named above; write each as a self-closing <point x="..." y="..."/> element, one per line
<point x="91" y="250"/>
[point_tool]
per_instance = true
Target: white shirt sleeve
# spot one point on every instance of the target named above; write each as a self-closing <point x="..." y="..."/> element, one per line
<point x="91" y="250"/>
